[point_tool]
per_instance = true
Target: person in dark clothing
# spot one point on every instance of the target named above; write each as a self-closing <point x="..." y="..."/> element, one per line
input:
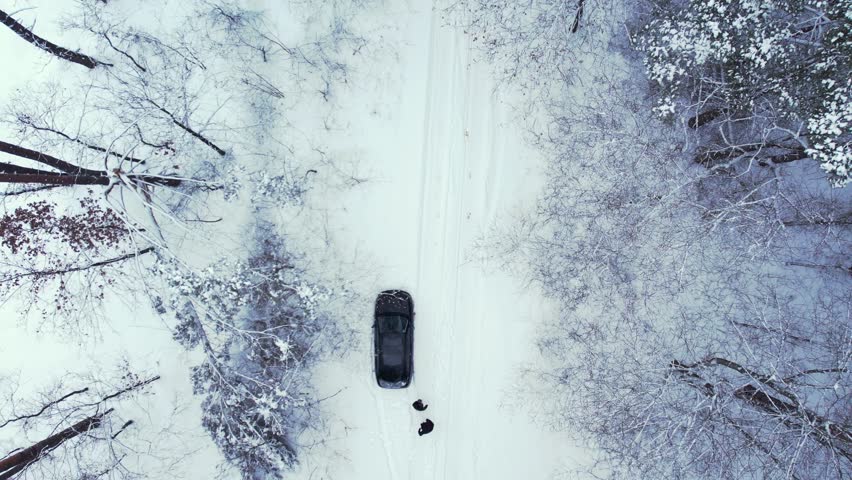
<point x="426" y="427"/>
<point x="419" y="405"/>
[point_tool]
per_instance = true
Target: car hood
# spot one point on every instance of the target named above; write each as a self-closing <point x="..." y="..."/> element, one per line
<point x="393" y="303"/>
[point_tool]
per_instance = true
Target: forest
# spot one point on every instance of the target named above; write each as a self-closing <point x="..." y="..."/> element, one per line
<point x="188" y="167"/>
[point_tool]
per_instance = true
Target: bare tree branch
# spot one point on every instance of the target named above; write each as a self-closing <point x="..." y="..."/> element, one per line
<point x="47" y="46"/>
<point x="44" y="407"/>
<point x="13" y="464"/>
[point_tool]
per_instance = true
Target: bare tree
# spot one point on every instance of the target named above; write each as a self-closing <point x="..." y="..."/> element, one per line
<point x="702" y="275"/>
<point x="49" y="47"/>
<point x="537" y="44"/>
<point x="688" y="346"/>
<point x="65" y="257"/>
<point x="152" y="116"/>
<point x="65" y="173"/>
<point x="184" y="111"/>
<point x="86" y="434"/>
<point x="19" y="461"/>
<point x="156" y="132"/>
<point x="764" y="394"/>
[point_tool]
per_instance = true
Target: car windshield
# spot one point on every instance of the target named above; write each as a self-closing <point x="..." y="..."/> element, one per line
<point x="393" y="324"/>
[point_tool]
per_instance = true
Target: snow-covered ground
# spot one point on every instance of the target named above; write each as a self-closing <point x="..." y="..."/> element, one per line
<point x="444" y="160"/>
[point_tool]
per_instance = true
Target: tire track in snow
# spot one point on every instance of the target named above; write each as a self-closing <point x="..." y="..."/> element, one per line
<point x="456" y="377"/>
<point x="387" y="444"/>
<point x="396" y="422"/>
<point x="487" y="164"/>
<point x="469" y="436"/>
<point x="447" y="282"/>
<point x="424" y="163"/>
<point x="432" y="321"/>
<point x="460" y="341"/>
<point x="480" y="160"/>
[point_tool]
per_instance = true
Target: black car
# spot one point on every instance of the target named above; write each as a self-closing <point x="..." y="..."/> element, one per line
<point x="393" y="338"/>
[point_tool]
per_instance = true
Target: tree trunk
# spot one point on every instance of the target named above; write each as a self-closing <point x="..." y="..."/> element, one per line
<point x="49" y="178"/>
<point x="19" y="170"/>
<point x="69" y="174"/>
<point x="48" y="47"/>
<point x="710" y="158"/>
<point x="840" y="220"/>
<point x="16" y="462"/>
<point x="48" y="160"/>
<point x="795" y="155"/>
<point x="576" y="25"/>
<point x="53" y="179"/>
<point x="790" y="411"/>
<point x="705" y="117"/>
<point x="825" y="431"/>
<point x="820" y="266"/>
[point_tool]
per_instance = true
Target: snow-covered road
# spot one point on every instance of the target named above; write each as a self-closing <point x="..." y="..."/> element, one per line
<point x="445" y="160"/>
